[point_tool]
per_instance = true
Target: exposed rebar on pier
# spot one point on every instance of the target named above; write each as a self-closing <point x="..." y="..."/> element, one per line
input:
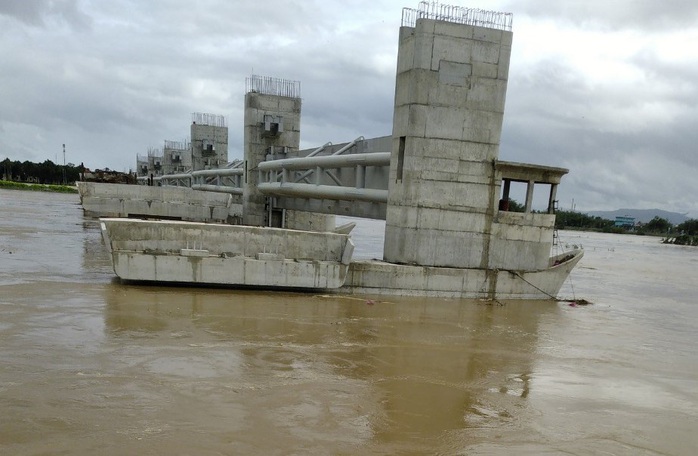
<point x="213" y="120"/>
<point x="458" y="14"/>
<point x="273" y="86"/>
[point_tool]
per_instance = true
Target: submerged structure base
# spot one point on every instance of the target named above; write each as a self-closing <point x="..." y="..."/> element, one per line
<point x="382" y="278"/>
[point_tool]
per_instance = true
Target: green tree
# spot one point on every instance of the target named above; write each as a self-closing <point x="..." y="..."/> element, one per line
<point x="577" y="220"/>
<point x="689" y="227"/>
<point x="44" y="173"/>
<point x="657" y="225"/>
<point x="6" y="169"/>
<point x="515" y="206"/>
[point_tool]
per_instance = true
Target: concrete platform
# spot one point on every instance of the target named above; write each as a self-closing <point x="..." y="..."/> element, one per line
<point x="174" y="203"/>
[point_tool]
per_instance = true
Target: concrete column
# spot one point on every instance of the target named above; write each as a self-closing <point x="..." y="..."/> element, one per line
<point x="449" y="104"/>
<point x="504" y="203"/>
<point x="529" y="195"/>
<point x="209" y="143"/>
<point x="551" y="198"/>
<point x="260" y="134"/>
<point x="273" y="121"/>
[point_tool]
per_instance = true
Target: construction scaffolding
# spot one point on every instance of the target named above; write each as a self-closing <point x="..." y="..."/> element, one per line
<point x="273" y="86"/>
<point x="458" y="14"/>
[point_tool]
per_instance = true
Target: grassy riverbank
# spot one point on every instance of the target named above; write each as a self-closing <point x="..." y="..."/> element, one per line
<point x="37" y="187"/>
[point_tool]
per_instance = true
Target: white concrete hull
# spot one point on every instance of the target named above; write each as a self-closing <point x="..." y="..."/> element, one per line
<point x="381" y="278"/>
<point x="226" y="255"/>
<point x="234" y="255"/>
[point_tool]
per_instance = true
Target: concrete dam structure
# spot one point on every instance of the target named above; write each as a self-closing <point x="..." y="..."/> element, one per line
<point x="437" y="181"/>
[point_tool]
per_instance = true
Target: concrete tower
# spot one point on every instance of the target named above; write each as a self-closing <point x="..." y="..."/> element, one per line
<point x="177" y="157"/>
<point x="272" y="127"/>
<point x="449" y="105"/>
<point x="209" y="141"/>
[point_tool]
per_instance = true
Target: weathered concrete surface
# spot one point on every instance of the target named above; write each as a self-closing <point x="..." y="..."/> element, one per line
<point x="227" y="255"/>
<point x="209" y="145"/>
<point x="120" y="200"/>
<point x="381" y="278"/>
<point x="286" y="112"/>
<point x="308" y="221"/>
<point x="204" y="253"/>
<point x="449" y="104"/>
<point x="521" y="241"/>
<point x="176" y="157"/>
<point x="272" y="126"/>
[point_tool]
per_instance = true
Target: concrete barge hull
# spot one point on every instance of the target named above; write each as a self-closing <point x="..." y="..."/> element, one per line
<point x="236" y="255"/>
<point x="382" y="278"/>
<point x="226" y="255"/>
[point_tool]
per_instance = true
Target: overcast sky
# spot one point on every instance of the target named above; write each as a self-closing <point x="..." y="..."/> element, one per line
<point x="606" y="89"/>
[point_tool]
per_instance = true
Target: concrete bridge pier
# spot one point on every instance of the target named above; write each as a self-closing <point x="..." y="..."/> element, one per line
<point x="449" y="105"/>
<point x="272" y="131"/>
<point x="209" y="141"/>
<point x="272" y="125"/>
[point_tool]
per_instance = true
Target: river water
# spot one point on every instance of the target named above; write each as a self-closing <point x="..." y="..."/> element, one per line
<point x="91" y="366"/>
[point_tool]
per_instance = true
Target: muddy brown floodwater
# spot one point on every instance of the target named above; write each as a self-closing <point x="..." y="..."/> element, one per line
<point x="91" y="366"/>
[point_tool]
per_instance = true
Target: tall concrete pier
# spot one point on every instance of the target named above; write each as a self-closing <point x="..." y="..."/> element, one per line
<point x="449" y="105"/>
<point x="272" y="127"/>
<point x="177" y="157"/>
<point x="209" y="141"/>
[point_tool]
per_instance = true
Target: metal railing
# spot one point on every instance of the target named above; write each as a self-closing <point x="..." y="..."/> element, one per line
<point x="340" y="176"/>
<point x="224" y="180"/>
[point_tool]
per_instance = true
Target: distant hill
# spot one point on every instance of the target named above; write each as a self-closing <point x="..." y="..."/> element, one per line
<point x="641" y="215"/>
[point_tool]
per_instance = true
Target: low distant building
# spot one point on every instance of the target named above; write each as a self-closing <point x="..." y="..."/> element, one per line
<point x="624" y="221"/>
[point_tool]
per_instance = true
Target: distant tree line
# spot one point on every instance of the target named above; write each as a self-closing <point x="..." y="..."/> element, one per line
<point x="685" y="233"/>
<point x="40" y="173"/>
<point x="577" y="220"/>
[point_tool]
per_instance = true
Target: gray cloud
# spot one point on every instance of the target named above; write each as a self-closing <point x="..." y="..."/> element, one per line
<point x="649" y="15"/>
<point x="626" y="145"/>
<point x="39" y="13"/>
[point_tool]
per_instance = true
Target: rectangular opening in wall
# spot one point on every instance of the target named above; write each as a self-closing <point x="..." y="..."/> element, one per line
<point x="400" y="158"/>
<point x="515" y="199"/>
